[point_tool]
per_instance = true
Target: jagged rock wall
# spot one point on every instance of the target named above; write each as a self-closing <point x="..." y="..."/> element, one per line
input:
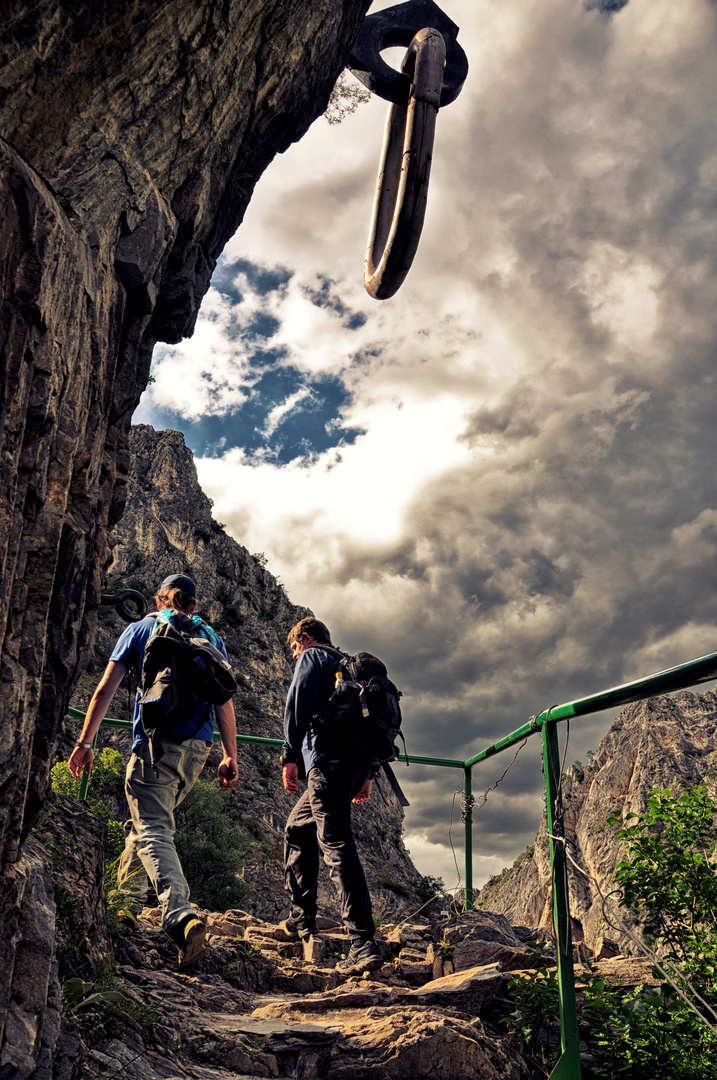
<point x="132" y="133"/>
<point x="168" y="527"/>
<point x="663" y="742"/>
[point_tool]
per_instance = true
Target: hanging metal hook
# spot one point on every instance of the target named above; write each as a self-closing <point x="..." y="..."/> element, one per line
<point x="121" y="601"/>
<point x="402" y="185"/>
<point x="432" y="74"/>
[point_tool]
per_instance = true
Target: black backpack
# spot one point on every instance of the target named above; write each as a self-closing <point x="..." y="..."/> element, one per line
<point x="366" y="704"/>
<point x="181" y="670"/>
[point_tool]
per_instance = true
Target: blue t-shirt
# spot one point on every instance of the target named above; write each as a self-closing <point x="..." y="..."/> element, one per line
<point x="129" y="651"/>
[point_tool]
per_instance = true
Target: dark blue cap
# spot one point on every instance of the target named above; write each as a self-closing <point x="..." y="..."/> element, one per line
<point x="179" y="581"/>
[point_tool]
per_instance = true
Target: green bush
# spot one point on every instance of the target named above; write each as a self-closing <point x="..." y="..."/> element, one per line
<point x="644" y="1032"/>
<point x="107" y="781"/>
<point x="430" y="890"/>
<point x="670" y="879"/>
<point x="212" y="847"/>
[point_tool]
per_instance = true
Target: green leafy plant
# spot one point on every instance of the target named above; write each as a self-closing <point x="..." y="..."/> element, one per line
<point x="107" y="781"/>
<point x="638" y="1033"/>
<point x="670" y="879"/>
<point x="641" y="1032"/>
<point x="251" y="952"/>
<point x="92" y="1005"/>
<point x="535" y="1016"/>
<point x="212" y="847"/>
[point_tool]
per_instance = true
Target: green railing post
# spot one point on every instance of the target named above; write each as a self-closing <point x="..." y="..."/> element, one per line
<point x="468" y="819"/>
<point x="568" y="1066"/>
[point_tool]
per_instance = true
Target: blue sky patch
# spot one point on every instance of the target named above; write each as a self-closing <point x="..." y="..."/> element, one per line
<point x="288" y="413"/>
<point x="310" y="426"/>
<point x="262" y="279"/>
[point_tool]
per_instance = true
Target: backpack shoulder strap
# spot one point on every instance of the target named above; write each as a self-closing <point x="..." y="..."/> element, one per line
<point x="391" y="777"/>
<point x="329" y="649"/>
<point x="205" y="630"/>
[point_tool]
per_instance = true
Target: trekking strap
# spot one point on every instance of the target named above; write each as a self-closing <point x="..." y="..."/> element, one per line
<point x="395" y="784"/>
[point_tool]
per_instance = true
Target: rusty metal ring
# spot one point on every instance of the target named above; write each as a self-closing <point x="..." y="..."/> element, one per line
<point x="121" y="600"/>
<point x="402" y="185"/>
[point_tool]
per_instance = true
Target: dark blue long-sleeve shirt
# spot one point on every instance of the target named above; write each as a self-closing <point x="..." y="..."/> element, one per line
<point x="309" y="732"/>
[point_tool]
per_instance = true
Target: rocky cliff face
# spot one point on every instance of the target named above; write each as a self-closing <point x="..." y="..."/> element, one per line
<point x="664" y="742"/>
<point x="167" y="528"/>
<point x="132" y="133"/>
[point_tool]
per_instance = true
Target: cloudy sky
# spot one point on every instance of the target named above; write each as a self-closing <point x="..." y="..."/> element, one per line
<point x="501" y="480"/>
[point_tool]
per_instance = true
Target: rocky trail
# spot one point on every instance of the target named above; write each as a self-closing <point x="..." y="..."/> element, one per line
<point x="259" y="1005"/>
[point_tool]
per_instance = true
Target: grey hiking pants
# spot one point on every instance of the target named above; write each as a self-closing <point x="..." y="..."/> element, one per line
<point x="149" y="844"/>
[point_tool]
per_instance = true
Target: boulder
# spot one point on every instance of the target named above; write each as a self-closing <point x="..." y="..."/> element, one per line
<point x="479" y="938"/>
<point x="470" y="991"/>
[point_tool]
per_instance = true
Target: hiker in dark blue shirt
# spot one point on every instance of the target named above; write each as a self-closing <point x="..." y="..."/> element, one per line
<point x="317" y="750"/>
<point x="154" y="788"/>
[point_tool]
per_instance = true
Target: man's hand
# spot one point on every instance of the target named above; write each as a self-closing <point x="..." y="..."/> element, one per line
<point x="80" y="756"/>
<point x="228" y="773"/>
<point x="96" y="711"/>
<point x="290" y="776"/>
<point x="365" y="792"/>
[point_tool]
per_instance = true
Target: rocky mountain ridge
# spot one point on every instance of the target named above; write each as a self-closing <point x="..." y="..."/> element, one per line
<point x="663" y="742"/>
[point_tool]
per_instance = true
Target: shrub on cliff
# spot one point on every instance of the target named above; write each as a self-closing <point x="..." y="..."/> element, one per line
<point x="212" y="848"/>
<point x="643" y="1032"/>
<point x="107" y="781"/>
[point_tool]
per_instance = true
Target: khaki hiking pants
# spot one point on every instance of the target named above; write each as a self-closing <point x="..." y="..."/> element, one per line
<point x="149" y="834"/>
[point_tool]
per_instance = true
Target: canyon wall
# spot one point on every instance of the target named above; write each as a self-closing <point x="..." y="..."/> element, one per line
<point x="132" y="133"/>
<point x="663" y="742"/>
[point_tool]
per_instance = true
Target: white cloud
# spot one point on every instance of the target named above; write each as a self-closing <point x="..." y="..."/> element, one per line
<point x="207" y="374"/>
<point x="437" y="860"/>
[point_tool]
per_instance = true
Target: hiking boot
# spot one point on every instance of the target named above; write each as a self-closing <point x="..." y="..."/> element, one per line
<point x="300" y="929"/>
<point x="362" y="956"/>
<point x="188" y="935"/>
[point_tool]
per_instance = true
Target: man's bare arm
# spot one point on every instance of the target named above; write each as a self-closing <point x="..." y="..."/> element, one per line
<point x="96" y="712"/>
<point x="227" y="772"/>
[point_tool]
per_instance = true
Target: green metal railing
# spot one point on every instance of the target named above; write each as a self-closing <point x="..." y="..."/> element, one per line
<point x="704" y="669"/>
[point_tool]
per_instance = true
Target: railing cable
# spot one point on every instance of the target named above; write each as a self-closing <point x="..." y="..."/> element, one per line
<point x="468" y="803"/>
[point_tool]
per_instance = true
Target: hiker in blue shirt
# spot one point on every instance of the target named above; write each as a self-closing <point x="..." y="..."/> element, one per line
<point x="317" y="750"/>
<point x="155" y="788"/>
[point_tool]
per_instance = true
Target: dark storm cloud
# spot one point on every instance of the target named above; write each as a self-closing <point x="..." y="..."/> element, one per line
<point x="607" y="7"/>
<point x="575" y="208"/>
<point x="578" y="549"/>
